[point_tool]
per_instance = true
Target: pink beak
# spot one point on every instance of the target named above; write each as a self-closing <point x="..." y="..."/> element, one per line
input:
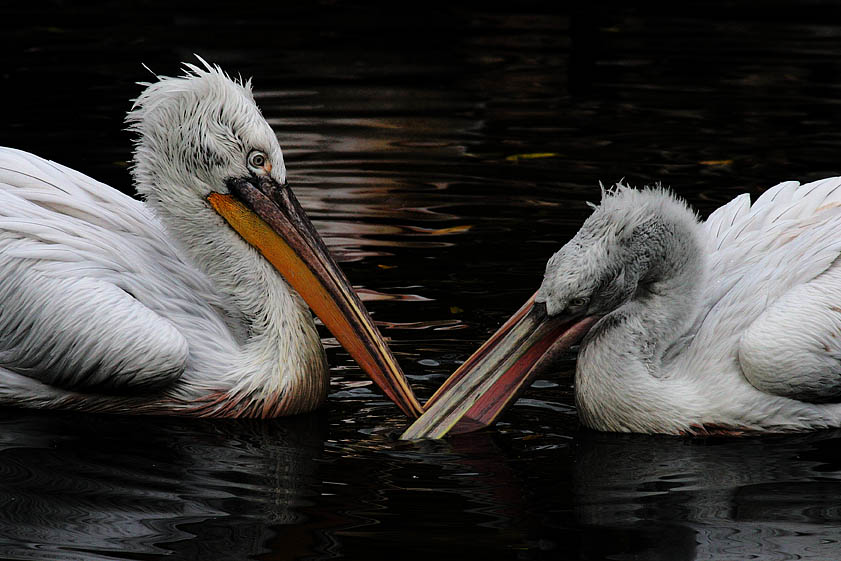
<point x="480" y="389"/>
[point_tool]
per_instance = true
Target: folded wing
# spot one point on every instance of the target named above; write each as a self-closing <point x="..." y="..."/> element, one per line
<point x="89" y="285"/>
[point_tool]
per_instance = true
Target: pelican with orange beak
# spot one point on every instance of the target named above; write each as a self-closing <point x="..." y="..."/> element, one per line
<point x="192" y="302"/>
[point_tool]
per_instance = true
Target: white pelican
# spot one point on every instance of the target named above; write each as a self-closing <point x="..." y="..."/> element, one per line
<point x="175" y="305"/>
<point x="730" y="325"/>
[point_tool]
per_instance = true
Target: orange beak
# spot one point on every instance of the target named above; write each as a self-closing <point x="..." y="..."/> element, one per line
<point x="268" y="216"/>
<point x="480" y="389"/>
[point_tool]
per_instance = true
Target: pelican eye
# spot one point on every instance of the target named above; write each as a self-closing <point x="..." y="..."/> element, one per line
<point x="257" y="159"/>
<point x="579" y="302"/>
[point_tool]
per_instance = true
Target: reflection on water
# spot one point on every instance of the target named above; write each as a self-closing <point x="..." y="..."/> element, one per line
<point x="87" y="487"/>
<point x="767" y="498"/>
<point x="444" y="154"/>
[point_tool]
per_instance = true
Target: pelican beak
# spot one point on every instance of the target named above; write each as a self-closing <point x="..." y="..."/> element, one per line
<point x="268" y="216"/>
<point x="480" y="389"/>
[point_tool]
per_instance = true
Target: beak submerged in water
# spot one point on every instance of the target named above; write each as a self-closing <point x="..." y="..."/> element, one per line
<point x="480" y="389"/>
<point x="268" y="216"/>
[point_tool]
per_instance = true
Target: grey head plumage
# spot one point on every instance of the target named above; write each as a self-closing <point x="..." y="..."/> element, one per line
<point x="633" y="237"/>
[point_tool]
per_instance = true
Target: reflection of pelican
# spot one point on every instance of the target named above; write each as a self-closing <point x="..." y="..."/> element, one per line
<point x="81" y="487"/>
<point x="109" y="304"/>
<point x="666" y="498"/>
<point x="729" y="325"/>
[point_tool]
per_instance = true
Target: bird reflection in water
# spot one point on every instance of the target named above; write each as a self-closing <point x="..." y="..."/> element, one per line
<point x="95" y="487"/>
<point x="671" y="498"/>
<point x="76" y="486"/>
<point x="615" y="496"/>
<point x="607" y="496"/>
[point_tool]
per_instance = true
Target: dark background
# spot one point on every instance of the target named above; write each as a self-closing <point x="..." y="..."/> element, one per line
<point x="705" y="74"/>
<point x="445" y="151"/>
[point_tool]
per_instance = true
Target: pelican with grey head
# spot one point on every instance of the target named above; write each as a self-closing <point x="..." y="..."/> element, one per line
<point x="729" y="325"/>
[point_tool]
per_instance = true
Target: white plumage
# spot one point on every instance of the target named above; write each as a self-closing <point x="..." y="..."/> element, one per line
<point x="727" y="325"/>
<point x="111" y="304"/>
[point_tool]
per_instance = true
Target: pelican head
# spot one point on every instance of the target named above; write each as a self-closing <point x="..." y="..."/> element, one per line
<point x="632" y="245"/>
<point x="196" y="132"/>
<point x="212" y="169"/>
<point x="582" y="275"/>
<point x="617" y="249"/>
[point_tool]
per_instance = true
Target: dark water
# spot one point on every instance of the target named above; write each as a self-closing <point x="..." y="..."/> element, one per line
<point x="404" y="131"/>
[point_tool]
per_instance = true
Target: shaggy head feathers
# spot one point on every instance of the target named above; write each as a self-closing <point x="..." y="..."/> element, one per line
<point x="194" y="132"/>
<point x="631" y="233"/>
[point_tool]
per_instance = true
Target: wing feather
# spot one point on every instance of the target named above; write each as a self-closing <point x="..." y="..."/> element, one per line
<point x="85" y="334"/>
<point x="93" y="296"/>
<point x="757" y="253"/>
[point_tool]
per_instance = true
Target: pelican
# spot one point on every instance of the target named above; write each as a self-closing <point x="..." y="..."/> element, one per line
<point x="731" y="325"/>
<point x="193" y="302"/>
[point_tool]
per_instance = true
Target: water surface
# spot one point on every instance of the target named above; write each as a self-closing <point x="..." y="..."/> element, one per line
<point x="444" y="152"/>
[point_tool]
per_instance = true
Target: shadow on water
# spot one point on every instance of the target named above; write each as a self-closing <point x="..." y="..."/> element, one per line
<point x="445" y="151"/>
